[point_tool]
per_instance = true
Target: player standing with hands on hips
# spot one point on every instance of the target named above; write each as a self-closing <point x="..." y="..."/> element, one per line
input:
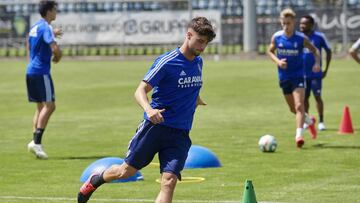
<point x="175" y="79"/>
<point x="314" y="79"/>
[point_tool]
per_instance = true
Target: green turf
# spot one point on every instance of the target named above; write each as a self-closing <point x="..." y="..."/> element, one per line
<point x="96" y="116"/>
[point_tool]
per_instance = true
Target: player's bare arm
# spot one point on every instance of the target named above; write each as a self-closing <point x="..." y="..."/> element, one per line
<point x="353" y="53"/>
<point x="141" y="98"/>
<point x="199" y="101"/>
<point x="316" y="53"/>
<point x="56" y="51"/>
<point x="328" y="60"/>
<point x="58" y="33"/>
<point x="27" y="47"/>
<point x="271" y="53"/>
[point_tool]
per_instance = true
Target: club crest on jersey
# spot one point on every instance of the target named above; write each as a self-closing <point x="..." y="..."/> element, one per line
<point x="281" y="45"/>
<point x="295" y="44"/>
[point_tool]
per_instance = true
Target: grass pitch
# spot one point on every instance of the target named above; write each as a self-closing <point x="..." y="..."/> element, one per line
<point x="96" y="116"/>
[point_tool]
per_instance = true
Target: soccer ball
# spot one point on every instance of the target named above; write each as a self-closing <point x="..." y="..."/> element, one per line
<point x="267" y="143"/>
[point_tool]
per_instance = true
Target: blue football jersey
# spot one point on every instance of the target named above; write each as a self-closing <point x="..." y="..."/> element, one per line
<point x="176" y="84"/>
<point x="290" y="49"/>
<point x="41" y="36"/>
<point x="318" y="39"/>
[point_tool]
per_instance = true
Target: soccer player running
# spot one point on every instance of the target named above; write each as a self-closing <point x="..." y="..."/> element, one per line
<point x="175" y="79"/>
<point x="40" y="88"/>
<point x="314" y="79"/>
<point x="289" y="45"/>
<point x="353" y="51"/>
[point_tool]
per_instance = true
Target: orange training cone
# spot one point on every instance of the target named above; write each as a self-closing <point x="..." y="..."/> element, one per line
<point x="346" y="124"/>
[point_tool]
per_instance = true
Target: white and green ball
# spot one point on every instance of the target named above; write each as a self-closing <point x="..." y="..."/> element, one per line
<point x="267" y="143"/>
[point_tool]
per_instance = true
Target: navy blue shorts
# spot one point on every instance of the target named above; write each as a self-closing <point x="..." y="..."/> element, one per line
<point x="288" y="86"/>
<point x="313" y="85"/>
<point x="40" y="88"/>
<point x="171" y="144"/>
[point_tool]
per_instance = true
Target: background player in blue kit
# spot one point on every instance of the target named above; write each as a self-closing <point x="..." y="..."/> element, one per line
<point x="314" y="80"/>
<point x="354" y="51"/>
<point x="40" y="87"/>
<point x="176" y="79"/>
<point x="289" y="45"/>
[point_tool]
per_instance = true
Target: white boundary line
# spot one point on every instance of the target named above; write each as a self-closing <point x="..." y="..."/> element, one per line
<point x="114" y="200"/>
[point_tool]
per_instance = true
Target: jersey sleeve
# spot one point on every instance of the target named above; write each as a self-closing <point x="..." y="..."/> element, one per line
<point x="48" y="35"/>
<point x="325" y="43"/>
<point x="273" y="37"/>
<point x="156" y="72"/>
<point x="356" y="45"/>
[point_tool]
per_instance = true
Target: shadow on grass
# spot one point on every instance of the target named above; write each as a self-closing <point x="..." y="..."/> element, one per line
<point x="327" y="146"/>
<point x="330" y="130"/>
<point x="337" y="129"/>
<point x="80" y="157"/>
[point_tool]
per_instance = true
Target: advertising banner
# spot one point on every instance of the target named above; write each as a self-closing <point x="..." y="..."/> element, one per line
<point x="332" y="22"/>
<point x="6" y="26"/>
<point x="128" y="27"/>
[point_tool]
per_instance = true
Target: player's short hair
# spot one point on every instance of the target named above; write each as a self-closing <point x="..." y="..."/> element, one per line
<point x="309" y="18"/>
<point x="45" y="6"/>
<point x="202" y="26"/>
<point x="287" y="12"/>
